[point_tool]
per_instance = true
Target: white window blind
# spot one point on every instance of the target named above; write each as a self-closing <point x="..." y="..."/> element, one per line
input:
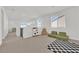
<point x="61" y="22"/>
<point x="58" y="21"/>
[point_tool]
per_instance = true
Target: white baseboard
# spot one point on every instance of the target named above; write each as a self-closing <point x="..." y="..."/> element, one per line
<point x="74" y="38"/>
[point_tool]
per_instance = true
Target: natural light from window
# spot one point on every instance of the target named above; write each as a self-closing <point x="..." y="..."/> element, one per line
<point x="58" y="21"/>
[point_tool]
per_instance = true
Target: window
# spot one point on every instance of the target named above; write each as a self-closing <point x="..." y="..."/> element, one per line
<point x="58" y="21"/>
<point x="61" y="22"/>
<point x="23" y="25"/>
<point x="38" y="23"/>
<point x="54" y="21"/>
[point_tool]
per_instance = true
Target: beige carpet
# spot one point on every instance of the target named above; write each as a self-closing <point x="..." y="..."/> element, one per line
<point x="13" y="44"/>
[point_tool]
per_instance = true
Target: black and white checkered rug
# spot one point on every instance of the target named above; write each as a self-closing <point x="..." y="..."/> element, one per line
<point x="59" y="46"/>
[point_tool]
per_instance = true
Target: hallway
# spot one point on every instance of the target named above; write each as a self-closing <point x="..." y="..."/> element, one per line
<point x="13" y="44"/>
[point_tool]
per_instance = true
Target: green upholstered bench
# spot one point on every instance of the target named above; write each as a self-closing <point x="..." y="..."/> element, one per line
<point x="53" y="34"/>
<point x="61" y="35"/>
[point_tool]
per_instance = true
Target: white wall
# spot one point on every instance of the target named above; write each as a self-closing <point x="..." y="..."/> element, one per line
<point x="3" y="25"/>
<point x="11" y="24"/>
<point x="0" y="28"/>
<point x="27" y="32"/>
<point x="71" y="19"/>
<point x="72" y="22"/>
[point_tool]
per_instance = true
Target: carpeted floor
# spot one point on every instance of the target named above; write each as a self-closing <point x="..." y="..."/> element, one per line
<point x="13" y="44"/>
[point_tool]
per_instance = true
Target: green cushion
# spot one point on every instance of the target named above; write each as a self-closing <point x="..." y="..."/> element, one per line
<point x="62" y="33"/>
<point x="64" y="38"/>
<point x="60" y="36"/>
<point x="50" y="35"/>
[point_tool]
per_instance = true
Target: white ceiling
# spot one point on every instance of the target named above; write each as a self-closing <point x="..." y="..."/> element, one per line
<point x="30" y="12"/>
